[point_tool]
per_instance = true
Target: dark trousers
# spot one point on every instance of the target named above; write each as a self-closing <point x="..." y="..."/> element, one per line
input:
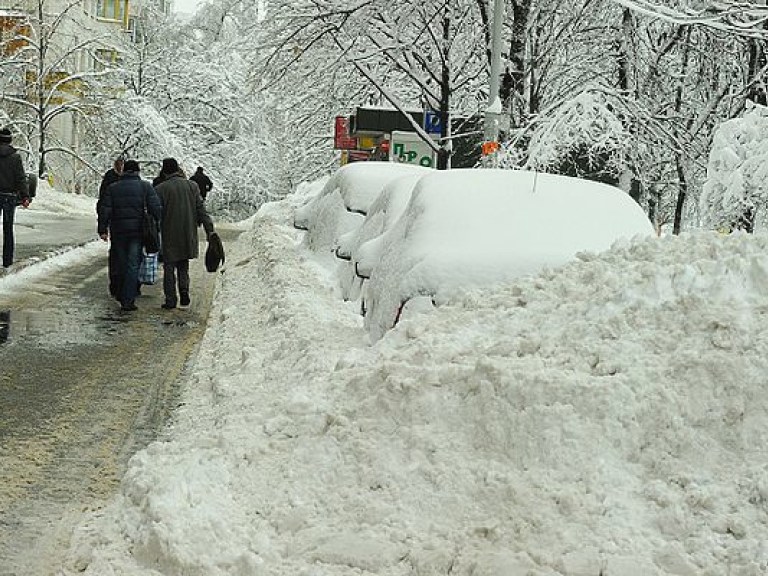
<point x="127" y="253"/>
<point x="8" y="210"/>
<point x="115" y="281"/>
<point x="171" y="270"/>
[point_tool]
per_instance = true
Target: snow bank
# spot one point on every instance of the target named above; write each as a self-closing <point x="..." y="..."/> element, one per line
<point x="608" y="418"/>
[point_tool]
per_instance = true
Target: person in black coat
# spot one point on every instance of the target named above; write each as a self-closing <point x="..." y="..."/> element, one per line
<point x="13" y="191"/>
<point x="110" y="177"/>
<point x="159" y="179"/>
<point x="121" y="216"/>
<point x="203" y="181"/>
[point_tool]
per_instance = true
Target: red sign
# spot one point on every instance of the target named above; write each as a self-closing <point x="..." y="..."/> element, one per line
<point x="489" y="148"/>
<point x="341" y="138"/>
<point x="358" y="155"/>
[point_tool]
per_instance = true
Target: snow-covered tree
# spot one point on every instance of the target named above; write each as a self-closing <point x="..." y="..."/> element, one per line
<point x="735" y="194"/>
<point x="412" y="55"/>
<point x="187" y="93"/>
<point x="48" y="85"/>
<point x="583" y="136"/>
<point x="667" y="83"/>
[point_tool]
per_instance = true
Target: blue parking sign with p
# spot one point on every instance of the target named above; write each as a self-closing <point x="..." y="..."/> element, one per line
<point x="432" y="123"/>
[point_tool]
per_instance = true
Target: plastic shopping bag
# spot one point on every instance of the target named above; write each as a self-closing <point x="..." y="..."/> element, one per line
<point x="148" y="269"/>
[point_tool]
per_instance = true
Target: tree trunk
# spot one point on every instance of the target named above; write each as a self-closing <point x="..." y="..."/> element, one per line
<point x="682" y="190"/>
<point x="757" y="61"/>
<point x="40" y="88"/>
<point x="654" y="200"/>
<point x="444" y="154"/>
<point x="41" y="148"/>
<point x="628" y="180"/>
<point x="513" y="81"/>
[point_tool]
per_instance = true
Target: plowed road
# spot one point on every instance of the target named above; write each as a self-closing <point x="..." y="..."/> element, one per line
<point x="82" y="388"/>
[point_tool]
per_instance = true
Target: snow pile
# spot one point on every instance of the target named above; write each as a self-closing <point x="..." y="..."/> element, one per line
<point x="608" y="418"/>
<point x="49" y="199"/>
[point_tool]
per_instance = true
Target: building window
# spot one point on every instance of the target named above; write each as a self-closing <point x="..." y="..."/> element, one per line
<point x="105" y="59"/>
<point x="112" y="9"/>
<point x="14" y="29"/>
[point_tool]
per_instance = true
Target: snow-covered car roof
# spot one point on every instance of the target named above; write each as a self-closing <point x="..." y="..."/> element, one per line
<point x="351" y="189"/>
<point x="465" y="228"/>
<point x="382" y="214"/>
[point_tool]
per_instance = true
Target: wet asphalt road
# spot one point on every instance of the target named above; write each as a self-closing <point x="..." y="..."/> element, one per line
<point x="83" y="386"/>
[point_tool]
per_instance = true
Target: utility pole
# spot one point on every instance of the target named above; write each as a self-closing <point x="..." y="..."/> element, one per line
<point x="493" y="112"/>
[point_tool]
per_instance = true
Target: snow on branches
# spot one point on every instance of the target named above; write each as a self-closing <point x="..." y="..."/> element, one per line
<point x="742" y="18"/>
<point x="587" y="126"/>
<point x="737" y="174"/>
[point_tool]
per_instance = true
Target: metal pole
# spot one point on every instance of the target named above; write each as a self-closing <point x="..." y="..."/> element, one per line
<point x="493" y="112"/>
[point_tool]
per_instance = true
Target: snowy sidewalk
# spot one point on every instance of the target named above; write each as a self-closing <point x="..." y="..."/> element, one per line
<point x="54" y="223"/>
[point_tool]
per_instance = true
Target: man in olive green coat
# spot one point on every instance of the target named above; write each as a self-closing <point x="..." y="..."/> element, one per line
<point x="183" y="212"/>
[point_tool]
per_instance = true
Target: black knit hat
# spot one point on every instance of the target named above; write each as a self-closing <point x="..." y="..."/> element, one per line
<point x="170" y="166"/>
<point x="131" y="166"/>
<point x="5" y="136"/>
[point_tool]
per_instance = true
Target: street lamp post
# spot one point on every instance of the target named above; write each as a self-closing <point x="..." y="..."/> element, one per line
<point x="493" y="111"/>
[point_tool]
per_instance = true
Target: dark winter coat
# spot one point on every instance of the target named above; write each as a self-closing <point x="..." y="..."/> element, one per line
<point x="110" y="177"/>
<point x="157" y="180"/>
<point x="13" y="180"/>
<point x="203" y="182"/>
<point x="183" y="212"/>
<point x="122" y="211"/>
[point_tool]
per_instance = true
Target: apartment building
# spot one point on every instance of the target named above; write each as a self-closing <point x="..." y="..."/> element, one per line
<point x="56" y="55"/>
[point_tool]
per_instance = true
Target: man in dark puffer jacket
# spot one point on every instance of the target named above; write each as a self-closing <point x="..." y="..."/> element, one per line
<point x="13" y="191"/>
<point x="121" y="215"/>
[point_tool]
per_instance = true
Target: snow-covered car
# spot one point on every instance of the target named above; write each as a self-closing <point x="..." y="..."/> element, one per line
<point x="383" y="214"/>
<point x="340" y="207"/>
<point x="334" y="216"/>
<point x="472" y="228"/>
<point x="358" y="246"/>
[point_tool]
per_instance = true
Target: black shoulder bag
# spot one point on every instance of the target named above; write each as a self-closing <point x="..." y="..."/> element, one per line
<point x="150" y="235"/>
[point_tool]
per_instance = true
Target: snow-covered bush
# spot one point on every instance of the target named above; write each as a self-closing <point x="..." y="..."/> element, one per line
<point x="581" y="137"/>
<point x="737" y="173"/>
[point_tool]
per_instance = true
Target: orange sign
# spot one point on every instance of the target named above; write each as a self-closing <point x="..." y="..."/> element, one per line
<point x="489" y="148"/>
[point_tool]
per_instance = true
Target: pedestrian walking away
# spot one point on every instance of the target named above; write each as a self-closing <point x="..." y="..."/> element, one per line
<point x="157" y="180"/>
<point x="203" y="182"/>
<point x="121" y="216"/>
<point x="183" y="212"/>
<point x="110" y="177"/>
<point x="13" y="191"/>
